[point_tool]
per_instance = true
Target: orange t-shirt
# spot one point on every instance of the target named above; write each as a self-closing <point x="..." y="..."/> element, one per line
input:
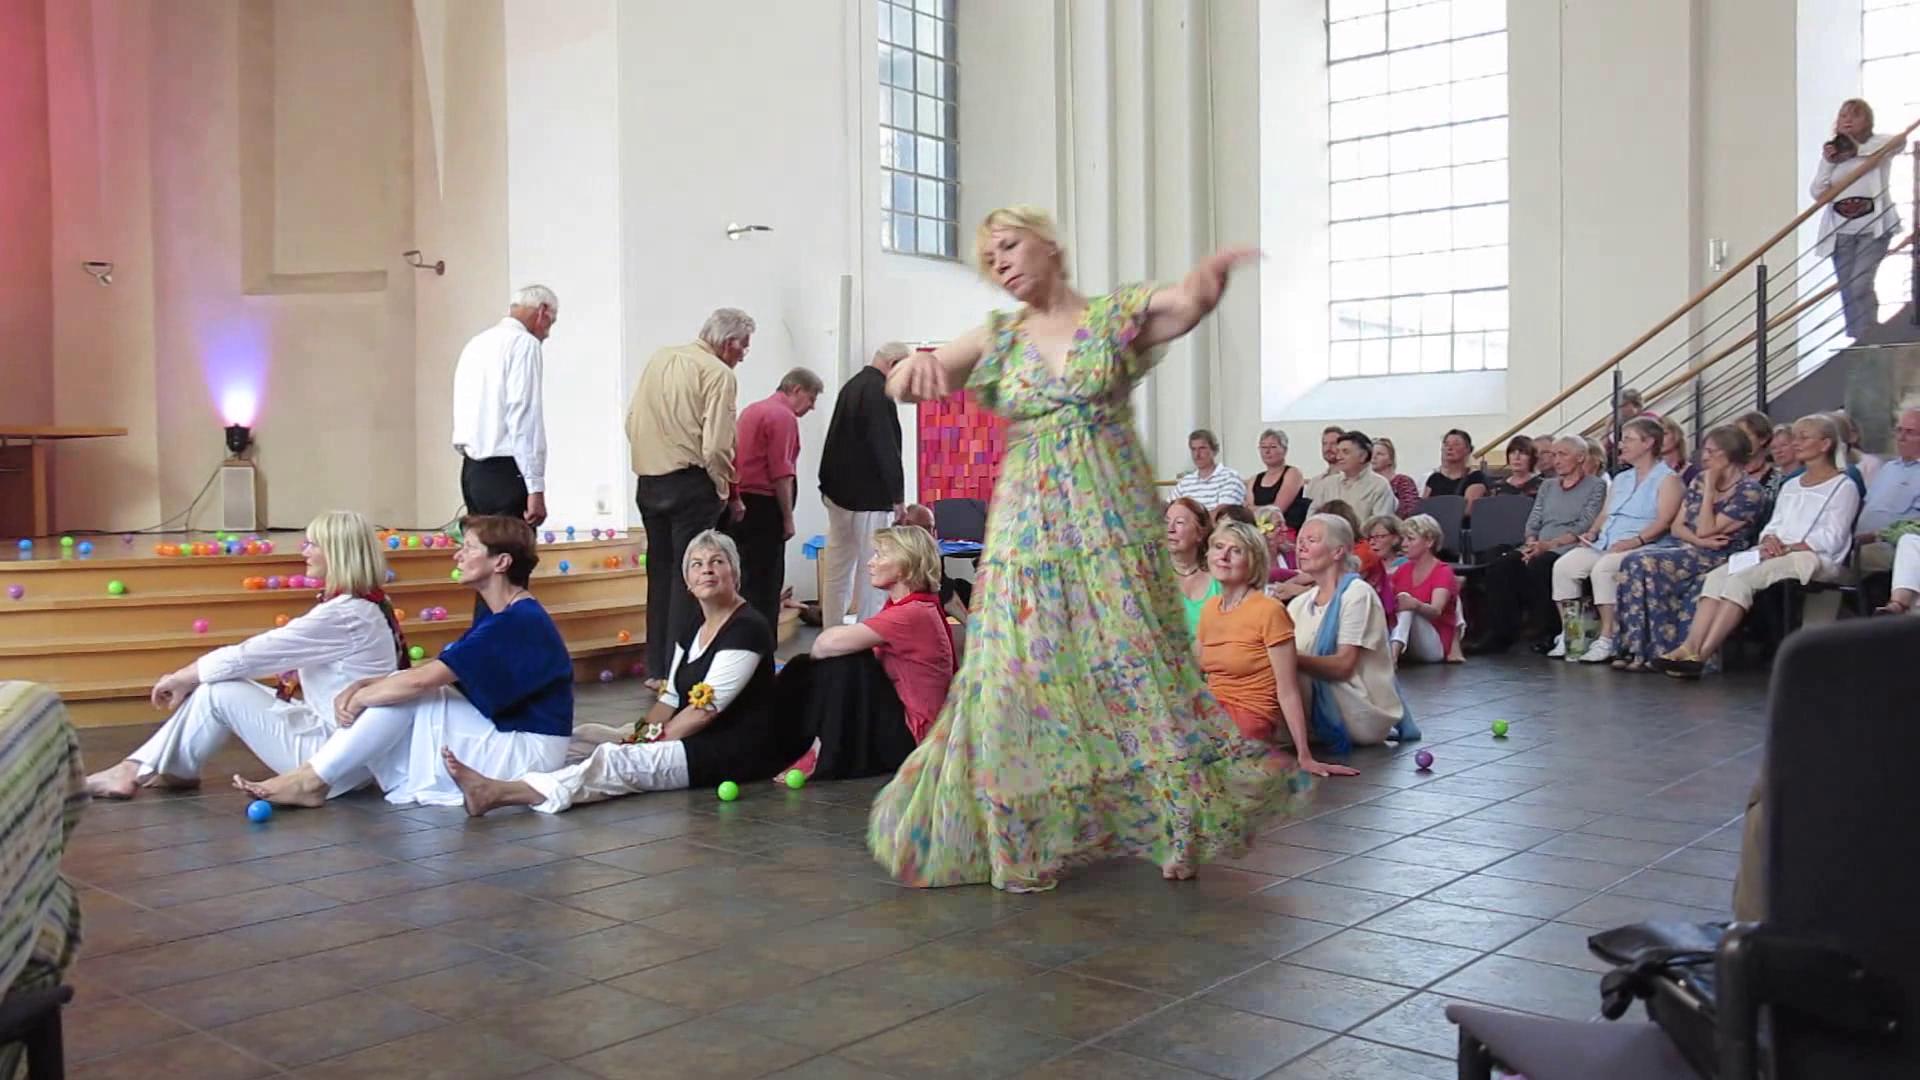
<point x="1233" y="652"/>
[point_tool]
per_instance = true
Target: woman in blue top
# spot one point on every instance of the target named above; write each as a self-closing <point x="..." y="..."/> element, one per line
<point x="1641" y="505"/>
<point x="500" y="698"/>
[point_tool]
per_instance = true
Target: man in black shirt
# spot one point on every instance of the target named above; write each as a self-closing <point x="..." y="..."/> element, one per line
<point x="861" y="484"/>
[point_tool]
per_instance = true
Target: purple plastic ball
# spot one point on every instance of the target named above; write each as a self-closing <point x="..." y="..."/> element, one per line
<point x="547" y="536"/>
<point x="605" y="675"/>
<point x="391" y="575"/>
<point x="1423" y="760"/>
<point x="637" y="670"/>
<point x="15" y="592"/>
<point x="273" y="582"/>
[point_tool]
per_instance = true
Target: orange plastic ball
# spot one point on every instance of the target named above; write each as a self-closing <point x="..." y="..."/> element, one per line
<point x="280" y="620"/>
<point x="399" y="614"/>
<point x="624" y="636"/>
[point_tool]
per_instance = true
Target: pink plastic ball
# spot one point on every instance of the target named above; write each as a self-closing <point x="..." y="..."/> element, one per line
<point x="637" y="670"/>
<point x="201" y="626"/>
<point x="266" y="547"/>
<point x="15" y="592"/>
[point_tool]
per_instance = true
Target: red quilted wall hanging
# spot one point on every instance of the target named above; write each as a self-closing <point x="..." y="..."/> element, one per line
<point x="961" y="445"/>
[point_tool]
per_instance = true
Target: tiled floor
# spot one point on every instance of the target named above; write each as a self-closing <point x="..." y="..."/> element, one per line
<point x="671" y="935"/>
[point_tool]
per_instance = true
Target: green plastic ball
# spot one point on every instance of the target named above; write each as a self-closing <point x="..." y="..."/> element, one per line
<point x="1499" y="729"/>
<point x="413" y="541"/>
<point x="729" y="791"/>
<point x="456" y="574"/>
<point x="796" y="779"/>
<point x="116" y="587"/>
<point x="66" y="541"/>
<point x="417" y="653"/>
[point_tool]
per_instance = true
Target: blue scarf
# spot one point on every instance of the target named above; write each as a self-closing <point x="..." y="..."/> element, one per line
<point x="1325" y="724"/>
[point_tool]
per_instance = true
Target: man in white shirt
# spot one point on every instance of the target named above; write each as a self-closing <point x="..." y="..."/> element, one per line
<point x="498" y="425"/>
<point x="1210" y="483"/>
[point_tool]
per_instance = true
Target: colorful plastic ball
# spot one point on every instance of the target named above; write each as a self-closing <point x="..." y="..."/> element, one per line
<point x="273" y="582"/>
<point x="569" y="532"/>
<point x="640" y="560"/>
<point x="1423" y="760"/>
<point x="565" y="566"/>
<point x="281" y="620"/>
<point x="637" y="670"/>
<point x="160" y="549"/>
<point x="413" y="541"/>
<point x="26" y="545"/>
<point x="796" y="779"/>
<point x="201" y="626"/>
<point x="624" y="636"/>
<point x="116" y="587"/>
<point x="391" y="575"/>
<point x="126" y="538"/>
<point x="596" y="534"/>
<point x="253" y="547"/>
<point x="15" y="592"/>
<point x="259" y="810"/>
<point x="456" y="574"/>
<point x="605" y="675"/>
<point x="66" y="541"/>
<point x="266" y="547"/>
<point x="85" y="548"/>
<point x="183" y="549"/>
<point x="416" y="653"/>
<point x="393" y="543"/>
<point x="399" y="614"/>
<point x="728" y="791"/>
<point x="1499" y="729"/>
<point x="547" y="536"/>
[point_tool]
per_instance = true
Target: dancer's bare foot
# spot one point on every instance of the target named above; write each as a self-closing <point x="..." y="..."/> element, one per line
<point x="301" y="787"/>
<point x="1177" y="871"/>
<point x="163" y="782"/>
<point x="484" y="793"/>
<point x="119" y="782"/>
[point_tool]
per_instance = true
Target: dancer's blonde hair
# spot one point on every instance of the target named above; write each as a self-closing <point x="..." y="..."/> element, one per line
<point x="354" y="563"/>
<point x="1030" y="219"/>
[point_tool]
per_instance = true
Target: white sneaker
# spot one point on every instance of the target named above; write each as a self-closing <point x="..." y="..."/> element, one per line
<point x="1599" y="652"/>
<point x="1559" y="650"/>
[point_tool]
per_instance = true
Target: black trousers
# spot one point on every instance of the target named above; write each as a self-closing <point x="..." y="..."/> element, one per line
<point x="763" y="553"/>
<point x="674" y="508"/>
<point x="493" y="486"/>
<point x="850" y="705"/>
<point x="1519" y="592"/>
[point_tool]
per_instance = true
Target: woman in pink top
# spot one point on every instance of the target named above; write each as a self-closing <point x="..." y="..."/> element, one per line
<point x="871" y="691"/>
<point x="1427" y="621"/>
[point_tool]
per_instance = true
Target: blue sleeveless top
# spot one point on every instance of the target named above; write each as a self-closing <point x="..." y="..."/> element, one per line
<point x="1633" y="504"/>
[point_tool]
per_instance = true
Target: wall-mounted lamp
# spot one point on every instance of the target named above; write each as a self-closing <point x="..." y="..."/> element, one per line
<point x="102" y="271"/>
<point x="735" y="230"/>
<point x="414" y="260"/>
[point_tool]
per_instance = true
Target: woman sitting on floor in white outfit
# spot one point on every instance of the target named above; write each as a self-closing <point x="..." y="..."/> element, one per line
<point x="501" y="696"/>
<point x="350" y="634"/>
<point x="714" y="721"/>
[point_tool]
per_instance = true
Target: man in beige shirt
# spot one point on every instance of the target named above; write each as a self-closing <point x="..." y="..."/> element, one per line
<point x="680" y="435"/>
<point x="1353" y="480"/>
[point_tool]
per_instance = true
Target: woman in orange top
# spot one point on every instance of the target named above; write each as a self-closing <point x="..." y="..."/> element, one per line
<point x="1246" y="647"/>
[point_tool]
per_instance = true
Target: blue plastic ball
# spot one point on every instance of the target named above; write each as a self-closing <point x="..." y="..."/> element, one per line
<point x="26" y="545"/>
<point x="565" y="566"/>
<point x="393" y="543"/>
<point x="85" y="548"/>
<point x="259" y="810"/>
<point x="569" y="532"/>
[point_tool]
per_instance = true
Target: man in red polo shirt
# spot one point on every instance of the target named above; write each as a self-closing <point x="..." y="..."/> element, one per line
<point x="765" y="456"/>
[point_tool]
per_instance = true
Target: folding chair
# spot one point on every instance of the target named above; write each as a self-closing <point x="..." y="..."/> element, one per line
<point x="960" y="519"/>
<point x="1835" y="966"/>
<point x="1451" y="512"/>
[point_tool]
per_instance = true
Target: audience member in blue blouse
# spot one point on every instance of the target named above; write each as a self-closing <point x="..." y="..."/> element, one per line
<point x="1641" y="505"/>
<point x="501" y="697"/>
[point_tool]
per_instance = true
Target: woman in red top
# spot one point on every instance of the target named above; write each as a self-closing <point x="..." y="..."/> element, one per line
<point x="871" y="691"/>
<point x="1427" y="596"/>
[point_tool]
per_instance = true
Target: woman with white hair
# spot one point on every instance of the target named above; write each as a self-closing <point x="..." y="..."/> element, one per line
<point x="1427" y="618"/>
<point x="1078" y="727"/>
<point x="1340" y="630"/>
<point x="350" y="635"/>
<point x="715" y="719"/>
<point x="1808" y="538"/>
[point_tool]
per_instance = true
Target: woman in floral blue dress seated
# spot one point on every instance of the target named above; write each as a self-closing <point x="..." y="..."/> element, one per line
<point x="1722" y="513"/>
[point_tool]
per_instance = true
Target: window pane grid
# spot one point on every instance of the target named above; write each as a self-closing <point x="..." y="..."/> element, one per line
<point x="1417" y="194"/>
<point x="919" y="129"/>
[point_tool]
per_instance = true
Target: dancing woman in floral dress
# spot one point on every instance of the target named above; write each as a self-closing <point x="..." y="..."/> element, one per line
<point x="1078" y="727"/>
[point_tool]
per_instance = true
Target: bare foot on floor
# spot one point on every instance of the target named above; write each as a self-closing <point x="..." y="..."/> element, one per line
<point x="1177" y="872"/>
<point x="483" y="793"/>
<point x="163" y="782"/>
<point x="119" y="782"/>
<point x="301" y="787"/>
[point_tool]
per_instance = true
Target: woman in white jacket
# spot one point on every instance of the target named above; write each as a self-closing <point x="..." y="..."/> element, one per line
<point x="350" y="634"/>
<point x="1859" y="222"/>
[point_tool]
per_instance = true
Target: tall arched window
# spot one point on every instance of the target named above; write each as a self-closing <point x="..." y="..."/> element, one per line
<point x="1417" y="160"/>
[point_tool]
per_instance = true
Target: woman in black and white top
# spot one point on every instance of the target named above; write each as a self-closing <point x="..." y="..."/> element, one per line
<point x="1857" y="225"/>
<point x="714" y="719"/>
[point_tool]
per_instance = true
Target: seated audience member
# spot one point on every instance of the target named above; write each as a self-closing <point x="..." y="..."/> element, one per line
<point x="1353" y="480"/>
<point x="1781" y="453"/>
<point x="501" y="695"/>
<point x="1234" y="512"/>
<point x="1386" y="462"/>
<point x="1906" y="577"/>
<point x="1519" y="584"/>
<point x="1340" y="637"/>
<point x="1384" y="540"/>
<point x="1523" y="475"/>
<point x="872" y="690"/>
<point x="1188" y="524"/>
<point x="1428" y="598"/>
<point x="1247" y="652"/>
<point x="351" y="635"/>
<point x="1597" y="460"/>
<point x="1279" y="538"/>
<point x="46" y="790"/>
<point x="1456" y="474"/>
<point x="717" y="717"/>
<point x="1758" y="428"/>
<point x="1893" y="495"/>
<point x="1673" y="450"/>
<point x="1865" y="466"/>
<point x="1277" y="484"/>
<point x="1210" y="484"/>
<point x="953" y="590"/>
<point x="1372" y="568"/>
<point x="1850" y="458"/>
<point x="1330" y="449"/>
<point x="1632" y="404"/>
<point x="1807" y="539"/>
<point x="1641" y="505"/>
<point x="1719" y="519"/>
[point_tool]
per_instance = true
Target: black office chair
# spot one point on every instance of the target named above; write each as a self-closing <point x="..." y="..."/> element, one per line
<point x="32" y="1018"/>
<point x="1835" y="965"/>
<point x="1451" y="512"/>
<point x="960" y="519"/>
<point x="1499" y="521"/>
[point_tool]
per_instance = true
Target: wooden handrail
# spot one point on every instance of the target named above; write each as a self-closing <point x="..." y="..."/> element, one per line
<point x="1867" y="164"/>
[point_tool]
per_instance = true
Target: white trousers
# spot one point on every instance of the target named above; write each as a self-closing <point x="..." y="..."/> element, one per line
<point x="400" y="746"/>
<point x="612" y="770"/>
<point x="282" y="734"/>
<point x="1906" y="563"/>
<point x="1582" y="562"/>
<point x="1740" y="589"/>
<point x="1420" y="638"/>
<point x="843" y="576"/>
